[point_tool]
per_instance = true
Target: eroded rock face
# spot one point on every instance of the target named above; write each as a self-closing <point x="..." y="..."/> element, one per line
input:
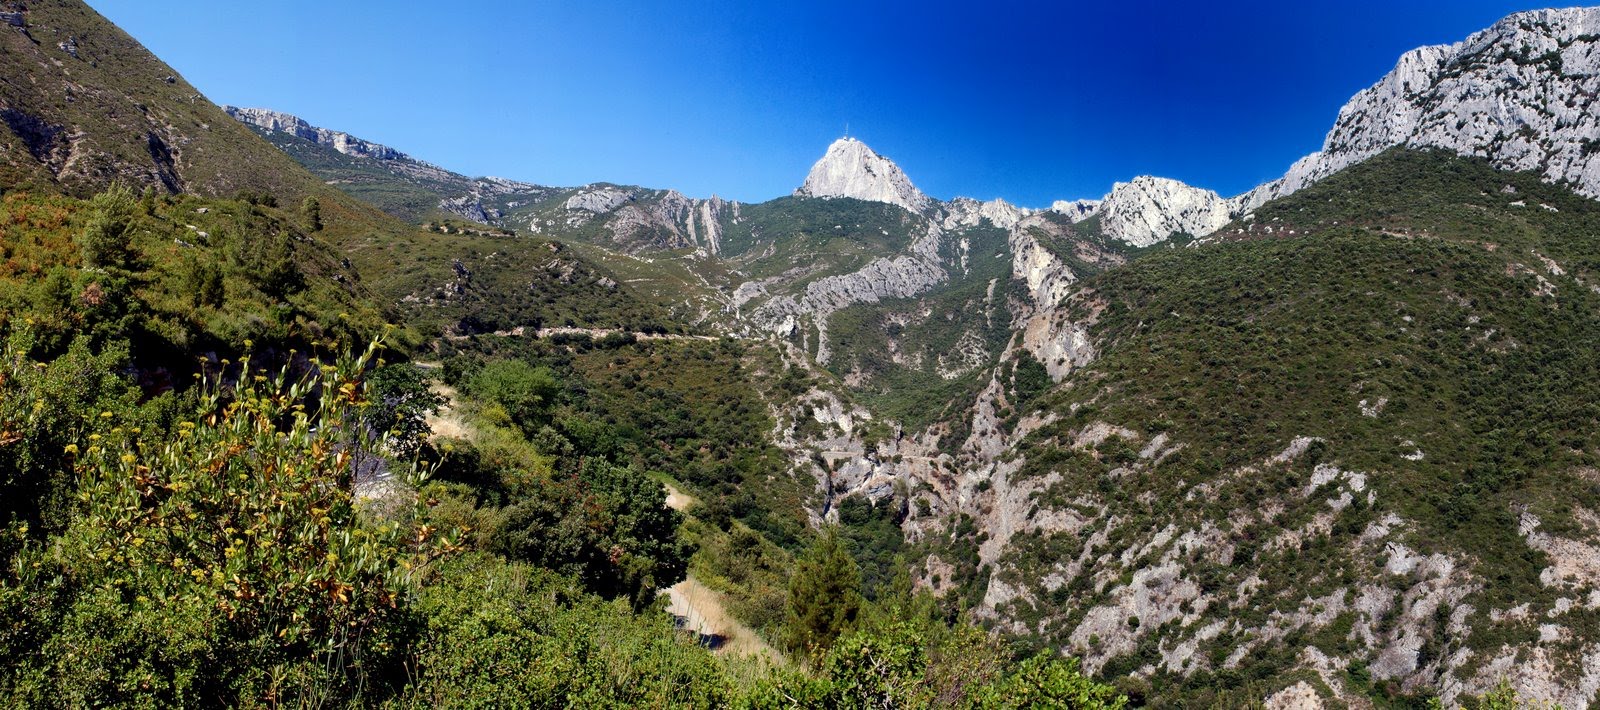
<point x="1076" y="210"/>
<point x="651" y="219"/>
<point x="1520" y="93"/>
<point x="1047" y="276"/>
<point x="600" y="200"/>
<point x="910" y="274"/>
<point x="851" y="169"/>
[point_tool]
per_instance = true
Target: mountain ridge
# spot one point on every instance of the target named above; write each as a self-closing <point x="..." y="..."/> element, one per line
<point x="1425" y="101"/>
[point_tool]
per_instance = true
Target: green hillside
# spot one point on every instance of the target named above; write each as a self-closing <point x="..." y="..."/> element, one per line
<point x="79" y="115"/>
<point x="277" y="430"/>
<point x="1428" y="322"/>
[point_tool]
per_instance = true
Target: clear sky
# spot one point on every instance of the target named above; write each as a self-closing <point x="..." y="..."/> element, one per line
<point x="1030" y="101"/>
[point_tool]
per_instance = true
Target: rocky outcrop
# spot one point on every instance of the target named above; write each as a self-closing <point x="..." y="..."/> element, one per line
<point x="345" y="143"/>
<point x="1151" y="209"/>
<point x="904" y="276"/>
<point x="850" y="169"/>
<point x="963" y="212"/>
<point x="637" y="218"/>
<point x="705" y="222"/>
<point x="1075" y="210"/>
<point x="1520" y="93"/>
<point x="1046" y="275"/>
<point x="600" y="200"/>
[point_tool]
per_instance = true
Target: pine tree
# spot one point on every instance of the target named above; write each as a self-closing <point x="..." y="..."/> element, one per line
<point x="311" y="209"/>
<point x="106" y="239"/>
<point x="824" y="596"/>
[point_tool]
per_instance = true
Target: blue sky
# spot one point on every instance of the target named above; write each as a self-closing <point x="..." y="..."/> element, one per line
<point x="1030" y="101"/>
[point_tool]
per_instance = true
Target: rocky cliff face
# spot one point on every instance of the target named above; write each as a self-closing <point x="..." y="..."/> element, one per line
<point x="850" y="169"/>
<point x="1076" y="210"/>
<point x="345" y="143"/>
<point x="636" y="218"/>
<point x="1520" y="93"/>
<point x="903" y="276"/>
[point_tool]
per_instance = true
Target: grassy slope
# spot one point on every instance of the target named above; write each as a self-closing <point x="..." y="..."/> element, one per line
<point x="79" y="124"/>
<point x="110" y="113"/>
<point x="409" y="199"/>
<point x="837" y="235"/>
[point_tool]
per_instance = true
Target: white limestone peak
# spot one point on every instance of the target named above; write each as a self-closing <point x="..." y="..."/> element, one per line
<point x="851" y="169"/>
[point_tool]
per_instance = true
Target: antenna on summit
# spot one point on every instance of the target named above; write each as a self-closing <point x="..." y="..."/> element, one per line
<point x="846" y="129"/>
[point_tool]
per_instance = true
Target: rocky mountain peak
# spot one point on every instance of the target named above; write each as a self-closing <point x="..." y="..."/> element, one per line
<point x="1150" y="209"/>
<point x="1520" y="93"/>
<point x="1075" y="210"/>
<point x="851" y="169"/>
<point x="966" y="212"/>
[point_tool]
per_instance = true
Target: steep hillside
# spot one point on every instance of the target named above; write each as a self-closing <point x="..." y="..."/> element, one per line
<point x="84" y="104"/>
<point x="1359" y="452"/>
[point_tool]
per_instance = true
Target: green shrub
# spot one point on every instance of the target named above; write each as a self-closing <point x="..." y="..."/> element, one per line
<point x="503" y="632"/>
<point x="228" y="562"/>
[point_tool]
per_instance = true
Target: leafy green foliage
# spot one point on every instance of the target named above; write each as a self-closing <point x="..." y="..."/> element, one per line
<point x="399" y="402"/>
<point x="210" y="274"/>
<point x="44" y="410"/>
<point x="608" y="527"/>
<point x="691" y="409"/>
<point x="525" y="393"/>
<point x="1042" y="681"/>
<point x="105" y="239"/>
<point x="906" y="664"/>
<point x="311" y="212"/>
<point x="498" y="631"/>
<point x="875" y="539"/>
<point x="240" y="528"/>
<point x="750" y="570"/>
<point x="824" y="596"/>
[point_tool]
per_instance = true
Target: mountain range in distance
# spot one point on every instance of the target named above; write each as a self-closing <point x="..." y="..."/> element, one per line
<point x="1454" y="97"/>
<point x="1332" y="442"/>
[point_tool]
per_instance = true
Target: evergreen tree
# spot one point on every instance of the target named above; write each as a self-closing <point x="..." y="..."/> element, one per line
<point x="312" y="210"/>
<point x="106" y="239"/>
<point x="824" y="596"/>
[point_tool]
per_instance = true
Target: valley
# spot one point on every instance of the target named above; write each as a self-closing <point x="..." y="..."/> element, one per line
<point x="1331" y="442"/>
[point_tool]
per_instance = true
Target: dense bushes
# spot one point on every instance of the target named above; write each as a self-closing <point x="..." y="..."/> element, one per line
<point x="912" y="663"/>
<point x="503" y="633"/>
<point x="227" y="560"/>
<point x="606" y="526"/>
<point x="824" y="596"/>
